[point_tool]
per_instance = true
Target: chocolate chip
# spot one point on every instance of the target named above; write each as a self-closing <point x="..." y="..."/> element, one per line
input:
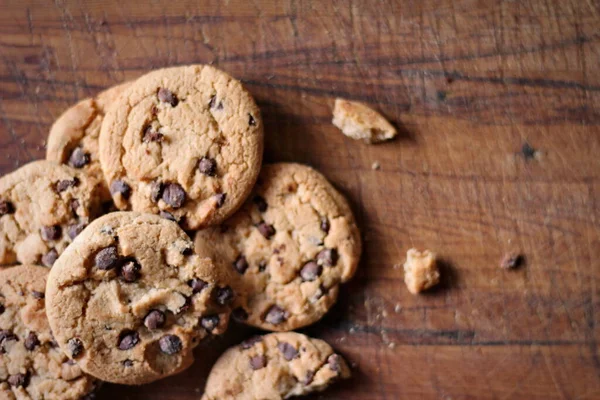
<point x="51" y="232"/>
<point x="130" y="271"/>
<point x="73" y="206"/>
<point x="37" y="295"/>
<point x="327" y="257"/>
<point x="310" y="271"/>
<point x="78" y="158"/>
<point x="197" y="285"/>
<point x="18" y="380"/>
<point x="107" y="258"/>
<point x="325" y="225"/>
<point x="120" y="187"/>
<point x="155" y="319"/>
<point x="156" y="189"/>
<point x="224" y="295"/>
<point x="127" y="363"/>
<point x="75" y="347"/>
<point x="220" y="197"/>
<point x="154" y="110"/>
<point x="31" y="341"/>
<point x="63" y="185"/>
<point x="211" y="102"/>
<point x="2" y="309"/>
<point x="310" y="374"/>
<point x="262" y="266"/>
<point x="6" y="335"/>
<point x="251" y="120"/>
<point x="260" y="202"/>
<point x="167" y="215"/>
<point x="150" y="135"/>
<point x="210" y="322"/>
<point x="174" y="195"/>
<point x="166" y="96"/>
<point x="258" y="362"/>
<point x="6" y="207"/>
<point x="50" y="258"/>
<point x="239" y="314"/>
<point x="75" y="229"/>
<point x="240" y="264"/>
<point x="335" y="362"/>
<point x="170" y="344"/>
<point x="208" y="166"/>
<point x="246" y="344"/>
<point x="128" y="339"/>
<point x="276" y="315"/>
<point x="266" y="230"/>
<point x="289" y="352"/>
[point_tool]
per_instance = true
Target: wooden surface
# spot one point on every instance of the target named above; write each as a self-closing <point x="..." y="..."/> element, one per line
<point x="468" y="83"/>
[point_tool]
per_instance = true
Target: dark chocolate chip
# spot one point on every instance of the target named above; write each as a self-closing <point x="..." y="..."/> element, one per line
<point x="211" y="102"/>
<point x="50" y="258"/>
<point x="325" y="225"/>
<point x="310" y="271"/>
<point x="197" y="285"/>
<point x="51" y="232"/>
<point x="31" y="341"/>
<point x="127" y="363"/>
<point x="37" y="295"/>
<point x="262" y="266"/>
<point x="210" y="322"/>
<point x="2" y="309"/>
<point x="120" y="187"/>
<point x="78" y="158"/>
<point x="155" y="319"/>
<point x="239" y="314"/>
<point x="240" y="264"/>
<point x="6" y="207"/>
<point x="75" y="347"/>
<point x="224" y="295"/>
<point x="170" y="344"/>
<point x="276" y="315"/>
<point x="289" y="352"/>
<point x="266" y="230"/>
<point x="220" y="197"/>
<point x="246" y="344"/>
<point x="335" y="362"/>
<point x="258" y="362"/>
<point x="166" y="96"/>
<point x="167" y="215"/>
<point x="251" y="120"/>
<point x="128" y="339"/>
<point x="107" y="258"/>
<point x="73" y="206"/>
<point x="75" y="229"/>
<point x="208" y="166"/>
<point x="174" y="195"/>
<point x="18" y="380"/>
<point x="260" y="202"/>
<point x="150" y="135"/>
<point x="156" y="189"/>
<point x="63" y="185"/>
<point x="130" y="271"/>
<point x="6" y="335"/>
<point x="310" y="374"/>
<point x="327" y="257"/>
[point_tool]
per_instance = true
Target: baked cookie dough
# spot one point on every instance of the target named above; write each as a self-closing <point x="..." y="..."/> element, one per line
<point x="128" y="300"/>
<point x="32" y="366"/>
<point x="185" y="143"/>
<point x="290" y="246"/>
<point x="274" y="367"/>
<point x="359" y="121"/>
<point x="73" y="138"/>
<point x="43" y="207"/>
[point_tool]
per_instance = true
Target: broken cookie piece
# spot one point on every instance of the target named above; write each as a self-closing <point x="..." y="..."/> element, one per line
<point x="420" y="270"/>
<point x="359" y="121"/>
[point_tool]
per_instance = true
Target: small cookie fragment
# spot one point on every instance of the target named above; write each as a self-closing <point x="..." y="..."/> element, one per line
<point x="511" y="260"/>
<point x="274" y="367"/>
<point x="358" y="121"/>
<point x="420" y="270"/>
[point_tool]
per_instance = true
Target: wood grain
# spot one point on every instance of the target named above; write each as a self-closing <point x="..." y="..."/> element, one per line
<point x="468" y="83"/>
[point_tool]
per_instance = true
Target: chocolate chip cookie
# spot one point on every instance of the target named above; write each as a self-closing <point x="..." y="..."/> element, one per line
<point x="128" y="300"/>
<point x="43" y="207"/>
<point x="32" y="366"/>
<point x="185" y="143"/>
<point x="290" y="246"/>
<point x="274" y="367"/>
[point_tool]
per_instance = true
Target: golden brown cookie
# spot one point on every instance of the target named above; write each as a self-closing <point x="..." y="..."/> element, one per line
<point x="185" y="143"/>
<point x="32" y="366"/>
<point x="291" y="246"/>
<point x="128" y="300"/>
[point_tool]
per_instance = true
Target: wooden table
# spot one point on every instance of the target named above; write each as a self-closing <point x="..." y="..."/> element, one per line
<point x="468" y="83"/>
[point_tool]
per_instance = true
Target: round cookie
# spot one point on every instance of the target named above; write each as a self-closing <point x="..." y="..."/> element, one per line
<point x="32" y="366"/>
<point x="274" y="367"/>
<point x="128" y="300"/>
<point x="290" y="246"/>
<point x="73" y="138"/>
<point x="185" y="143"/>
<point x="43" y="206"/>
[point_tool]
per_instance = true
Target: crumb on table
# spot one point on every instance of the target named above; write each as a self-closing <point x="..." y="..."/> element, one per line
<point x="420" y="270"/>
<point x="511" y="260"/>
<point x="359" y="121"/>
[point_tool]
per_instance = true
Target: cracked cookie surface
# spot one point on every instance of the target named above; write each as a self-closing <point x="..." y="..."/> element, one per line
<point x="73" y="138"/>
<point x="274" y="367"/>
<point x="185" y="143"/>
<point x="32" y="366"/>
<point x="128" y="300"/>
<point x="290" y="247"/>
<point x="43" y="207"/>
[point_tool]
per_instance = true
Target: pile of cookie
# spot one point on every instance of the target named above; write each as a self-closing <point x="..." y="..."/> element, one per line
<point x="151" y="224"/>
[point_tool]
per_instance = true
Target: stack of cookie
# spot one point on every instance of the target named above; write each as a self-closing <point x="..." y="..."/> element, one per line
<point x="198" y="233"/>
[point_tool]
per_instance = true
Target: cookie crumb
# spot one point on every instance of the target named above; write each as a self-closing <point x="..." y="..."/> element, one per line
<point x="358" y="121"/>
<point x="397" y="308"/>
<point x="420" y="270"/>
<point x="511" y="260"/>
<point x="376" y="166"/>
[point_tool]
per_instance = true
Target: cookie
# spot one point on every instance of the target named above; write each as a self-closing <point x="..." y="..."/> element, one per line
<point x="360" y="122"/>
<point x="290" y="246"/>
<point x="420" y="270"/>
<point x="43" y="207"/>
<point x="32" y="366"/>
<point x="274" y="367"/>
<point x="73" y="138"/>
<point x="128" y="300"/>
<point x="185" y="143"/>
